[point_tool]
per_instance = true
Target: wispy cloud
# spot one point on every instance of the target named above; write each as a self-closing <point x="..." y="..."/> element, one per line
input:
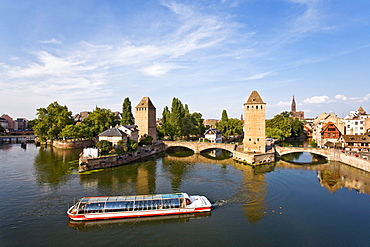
<point x="51" y="41"/>
<point x="257" y="76"/>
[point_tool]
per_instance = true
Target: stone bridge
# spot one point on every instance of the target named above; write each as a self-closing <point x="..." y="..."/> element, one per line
<point x="198" y="147"/>
<point x="327" y="153"/>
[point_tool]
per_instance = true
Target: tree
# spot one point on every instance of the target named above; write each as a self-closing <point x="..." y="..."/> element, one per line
<point x="274" y="133"/>
<point x="127" y="117"/>
<point x="104" y="146"/>
<point x="286" y="124"/>
<point x="99" y="120"/>
<point x="2" y="128"/>
<point x="224" y="116"/>
<point x="176" y="117"/>
<point x="229" y="126"/>
<point x="198" y="126"/>
<point x="51" y="120"/>
<point x="80" y="130"/>
<point x="187" y="123"/>
<point x="297" y="127"/>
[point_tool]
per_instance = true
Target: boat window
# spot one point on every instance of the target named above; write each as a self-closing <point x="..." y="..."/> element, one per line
<point x="175" y="203"/>
<point x="113" y="206"/>
<point x="138" y="205"/>
<point x="94" y="207"/>
<point x="129" y="206"/>
<point x="146" y="205"/>
<point x="81" y="208"/>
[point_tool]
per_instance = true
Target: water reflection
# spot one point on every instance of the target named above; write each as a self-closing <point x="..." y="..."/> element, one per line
<point x="137" y="178"/>
<point x="98" y="225"/>
<point x="253" y="191"/>
<point x="334" y="175"/>
<point x="52" y="165"/>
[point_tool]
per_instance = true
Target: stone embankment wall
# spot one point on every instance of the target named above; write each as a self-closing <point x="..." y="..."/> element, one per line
<point x="70" y="144"/>
<point x="254" y="158"/>
<point x="87" y="163"/>
<point x="353" y="161"/>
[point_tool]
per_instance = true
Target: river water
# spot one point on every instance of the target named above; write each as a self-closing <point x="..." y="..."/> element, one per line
<point x="283" y="204"/>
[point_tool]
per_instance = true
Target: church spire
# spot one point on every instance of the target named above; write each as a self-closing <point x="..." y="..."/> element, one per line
<point x="293" y="106"/>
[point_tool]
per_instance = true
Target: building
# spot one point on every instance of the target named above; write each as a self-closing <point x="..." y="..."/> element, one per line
<point x="323" y="122"/>
<point x="356" y="142"/>
<point x="80" y="117"/>
<point x="254" y="124"/>
<point x="213" y="135"/>
<point x="131" y="131"/>
<point x="7" y="122"/>
<point x="145" y="119"/>
<point x="210" y="123"/>
<point x="295" y="113"/>
<point x="20" y="124"/>
<point x="330" y="135"/>
<point x="113" y="135"/>
<point x="356" y="123"/>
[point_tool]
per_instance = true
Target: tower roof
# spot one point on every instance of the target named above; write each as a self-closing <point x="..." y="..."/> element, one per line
<point x="255" y="98"/>
<point x="145" y="102"/>
<point x="361" y="110"/>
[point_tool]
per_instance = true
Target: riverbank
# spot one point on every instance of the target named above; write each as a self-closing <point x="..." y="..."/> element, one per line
<point x="107" y="161"/>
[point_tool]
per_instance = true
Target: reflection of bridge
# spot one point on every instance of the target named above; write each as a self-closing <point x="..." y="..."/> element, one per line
<point x="196" y="158"/>
<point x="198" y="147"/>
<point x="17" y="139"/>
<point x="327" y="153"/>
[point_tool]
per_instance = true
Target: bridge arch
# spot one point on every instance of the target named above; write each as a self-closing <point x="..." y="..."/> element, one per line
<point x="288" y="150"/>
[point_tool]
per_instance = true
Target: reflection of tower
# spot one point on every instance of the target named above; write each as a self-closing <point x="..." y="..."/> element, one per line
<point x="145" y="119"/>
<point x="254" y="190"/>
<point x="254" y="124"/>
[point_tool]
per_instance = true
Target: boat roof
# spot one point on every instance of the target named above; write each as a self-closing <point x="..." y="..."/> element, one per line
<point x="97" y="199"/>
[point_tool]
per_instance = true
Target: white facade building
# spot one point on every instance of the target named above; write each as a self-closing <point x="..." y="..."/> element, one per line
<point x="355" y="122"/>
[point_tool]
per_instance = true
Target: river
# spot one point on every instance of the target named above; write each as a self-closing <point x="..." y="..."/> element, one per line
<point x="283" y="204"/>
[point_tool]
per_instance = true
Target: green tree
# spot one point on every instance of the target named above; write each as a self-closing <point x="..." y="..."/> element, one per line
<point x="187" y="123"/>
<point x="176" y="117"/>
<point x="286" y="124"/>
<point x="132" y="145"/>
<point x="166" y="128"/>
<point x="224" y="116"/>
<point x="229" y="126"/>
<point x="127" y="117"/>
<point x="104" y="146"/>
<point x="146" y="141"/>
<point x="198" y="126"/>
<point x="274" y="133"/>
<point x="51" y="121"/>
<point x="297" y="127"/>
<point x="80" y="130"/>
<point x="2" y="128"/>
<point x="99" y="120"/>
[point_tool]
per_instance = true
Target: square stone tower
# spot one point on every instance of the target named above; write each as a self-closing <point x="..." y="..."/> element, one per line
<point x="254" y="124"/>
<point x="145" y="119"/>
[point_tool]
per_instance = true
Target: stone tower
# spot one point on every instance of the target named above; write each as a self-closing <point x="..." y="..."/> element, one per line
<point x="254" y="124"/>
<point x="145" y="119"/>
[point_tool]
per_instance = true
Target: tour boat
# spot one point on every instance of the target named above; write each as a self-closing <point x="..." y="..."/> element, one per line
<point x="115" y="207"/>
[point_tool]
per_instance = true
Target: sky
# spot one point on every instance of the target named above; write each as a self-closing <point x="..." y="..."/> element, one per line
<point x="210" y="54"/>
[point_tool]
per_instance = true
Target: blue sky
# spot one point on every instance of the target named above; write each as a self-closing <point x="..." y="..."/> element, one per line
<point x="209" y="54"/>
